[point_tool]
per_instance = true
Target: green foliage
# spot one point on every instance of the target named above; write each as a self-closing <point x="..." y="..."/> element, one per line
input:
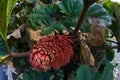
<point x="6" y="6"/>
<point x="107" y="4"/>
<point x="3" y="15"/>
<point x="116" y="22"/>
<point x="53" y="28"/>
<point x="3" y="49"/>
<point x="84" y="73"/>
<point x="109" y="54"/>
<point x="71" y="8"/>
<point x="45" y="16"/>
<point x="96" y="11"/>
<point x="41" y="15"/>
<point x="34" y="75"/>
<point x="107" y="73"/>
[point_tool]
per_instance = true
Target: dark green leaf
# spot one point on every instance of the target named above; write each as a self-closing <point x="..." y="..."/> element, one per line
<point x="84" y="73"/>
<point x="41" y="15"/>
<point x="98" y="11"/>
<point x="71" y="8"/>
<point x="34" y="75"/>
<point x="55" y="26"/>
<point x="3" y="49"/>
<point x="107" y="74"/>
<point x="109" y="54"/>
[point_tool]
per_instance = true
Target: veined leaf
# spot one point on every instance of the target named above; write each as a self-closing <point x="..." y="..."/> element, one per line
<point x="71" y="8"/>
<point x="107" y="74"/>
<point x="56" y="26"/>
<point x="98" y="11"/>
<point x="6" y="7"/>
<point x="84" y="73"/>
<point x="41" y="16"/>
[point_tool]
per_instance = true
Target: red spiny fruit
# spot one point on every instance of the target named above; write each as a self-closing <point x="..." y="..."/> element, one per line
<point x="51" y="51"/>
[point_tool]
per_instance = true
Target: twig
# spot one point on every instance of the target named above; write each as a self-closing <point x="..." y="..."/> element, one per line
<point x="112" y="41"/>
<point x="24" y="54"/>
<point x="112" y="47"/>
<point x="82" y="16"/>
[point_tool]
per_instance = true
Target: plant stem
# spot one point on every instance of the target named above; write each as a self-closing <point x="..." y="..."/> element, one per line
<point x="112" y="41"/>
<point x="112" y="47"/>
<point x="7" y="46"/>
<point x="84" y="11"/>
<point x="25" y="54"/>
<point x="82" y="16"/>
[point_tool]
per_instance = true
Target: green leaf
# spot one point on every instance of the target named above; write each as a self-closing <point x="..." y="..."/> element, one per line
<point x="3" y="15"/>
<point x="55" y="26"/>
<point x="6" y="7"/>
<point x="41" y="15"/>
<point x="71" y="8"/>
<point x="107" y="74"/>
<point x="84" y="73"/>
<point x="35" y="75"/>
<point x="108" y="4"/>
<point x="109" y="54"/>
<point x="3" y="49"/>
<point x="98" y="11"/>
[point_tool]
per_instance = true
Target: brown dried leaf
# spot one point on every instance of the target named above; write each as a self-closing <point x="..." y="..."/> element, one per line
<point x="34" y="35"/>
<point x="96" y="36"/>
<point x="17" y="33"/>
<point x="86" y="52"/>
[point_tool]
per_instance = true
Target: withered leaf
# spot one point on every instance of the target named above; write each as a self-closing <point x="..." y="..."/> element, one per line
<point x="34" y="35"/>
<point x="96" y="36"/>
<point x="17" y="33"/>
<point x="85" y="52"/>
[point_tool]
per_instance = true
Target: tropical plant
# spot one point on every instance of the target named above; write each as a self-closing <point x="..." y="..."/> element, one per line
<point x="61" y="38"/>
